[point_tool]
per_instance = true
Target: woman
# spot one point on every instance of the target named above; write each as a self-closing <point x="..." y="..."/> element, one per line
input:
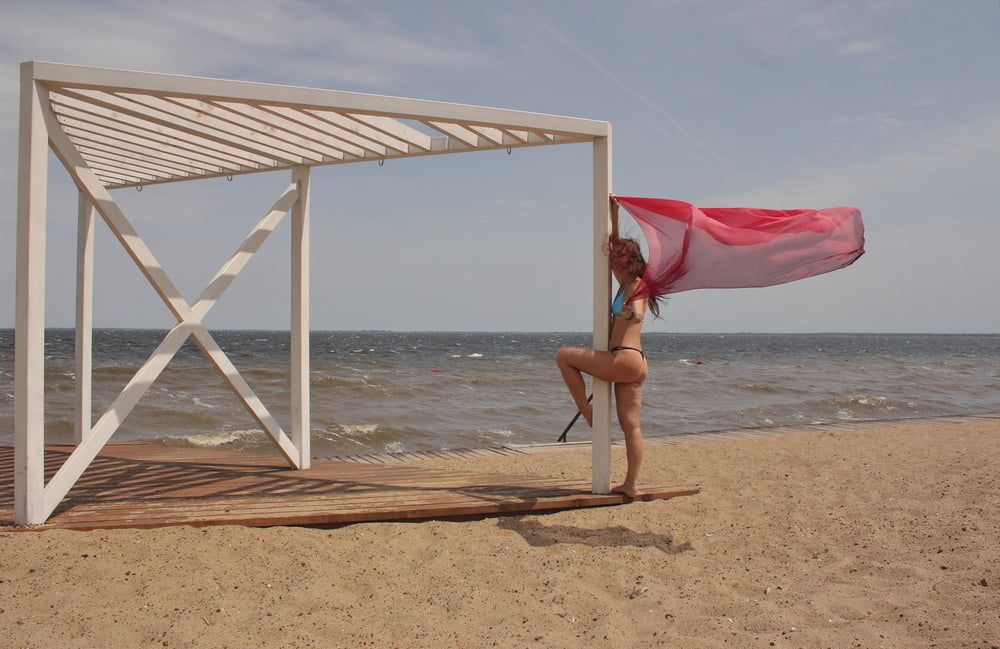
<point x="625" y="365"/>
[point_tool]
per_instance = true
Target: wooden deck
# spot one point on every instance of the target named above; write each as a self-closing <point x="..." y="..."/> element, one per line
<point x="142" y="485"/>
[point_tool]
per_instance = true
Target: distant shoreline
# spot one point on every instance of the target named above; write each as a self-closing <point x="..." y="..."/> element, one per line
<point x="476" y="332"/>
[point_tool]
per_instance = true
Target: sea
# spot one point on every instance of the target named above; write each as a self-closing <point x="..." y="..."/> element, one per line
<point x="386" y="391"/>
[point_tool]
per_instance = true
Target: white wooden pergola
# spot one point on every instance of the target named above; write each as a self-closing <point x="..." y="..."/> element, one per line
<point x="113" y="129"/>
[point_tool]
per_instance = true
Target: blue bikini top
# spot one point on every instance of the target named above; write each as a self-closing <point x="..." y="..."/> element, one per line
<point x="619" y="302"/>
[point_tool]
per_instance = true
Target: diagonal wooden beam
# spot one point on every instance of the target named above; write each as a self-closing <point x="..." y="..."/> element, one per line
<point x="189" y="319"/>
<point x="246" y="395"/>
<point x="239" y="259"/>
<point x="106" y="206"/>
<point x="78" y="461"/>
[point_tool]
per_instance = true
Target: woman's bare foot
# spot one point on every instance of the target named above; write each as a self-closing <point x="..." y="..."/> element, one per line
<point x="625" y="490"/>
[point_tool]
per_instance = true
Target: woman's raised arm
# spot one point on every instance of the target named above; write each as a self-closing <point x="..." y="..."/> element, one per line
<point x="614" y="219"/>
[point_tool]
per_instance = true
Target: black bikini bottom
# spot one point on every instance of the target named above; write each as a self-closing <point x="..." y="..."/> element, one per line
<point x="632" y="348"/>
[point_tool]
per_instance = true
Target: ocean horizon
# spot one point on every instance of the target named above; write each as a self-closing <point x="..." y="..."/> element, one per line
<point x="394" y="391"/>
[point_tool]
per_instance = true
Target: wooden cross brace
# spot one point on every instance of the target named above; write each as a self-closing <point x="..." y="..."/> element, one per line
<point x="189" y="319"/>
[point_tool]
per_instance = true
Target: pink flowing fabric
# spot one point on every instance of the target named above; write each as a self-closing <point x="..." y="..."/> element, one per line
<point x="739" y="247"/>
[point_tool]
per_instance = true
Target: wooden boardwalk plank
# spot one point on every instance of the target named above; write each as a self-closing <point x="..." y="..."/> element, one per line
<point x="144" y="485"/>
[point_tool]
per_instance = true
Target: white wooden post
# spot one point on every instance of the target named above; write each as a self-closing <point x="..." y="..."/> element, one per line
<point x="601" y="449"/>
<point x="29" y="345"/>
<point x="83" y="421"/>
<point x="301" y="420"/>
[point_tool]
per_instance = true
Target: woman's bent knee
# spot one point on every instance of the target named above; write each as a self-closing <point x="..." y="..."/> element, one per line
<point x="563" y="355"/>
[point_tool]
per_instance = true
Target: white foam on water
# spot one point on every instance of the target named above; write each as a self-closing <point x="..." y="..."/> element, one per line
<point x="358" y="429"/>
<point x="395" y="447"/>
<point x="474" y="356"/>
<point x="222" y="438"/>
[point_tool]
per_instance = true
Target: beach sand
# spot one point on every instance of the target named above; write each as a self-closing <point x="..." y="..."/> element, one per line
<point x="882" y="535"/>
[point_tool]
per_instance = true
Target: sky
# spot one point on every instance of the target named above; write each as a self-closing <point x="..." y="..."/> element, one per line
<point x="890" y="106"/>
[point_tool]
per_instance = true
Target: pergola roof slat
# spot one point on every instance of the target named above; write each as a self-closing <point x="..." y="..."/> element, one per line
<point x="262" y="155"/>
<point x="168" y="128"/>
<point x="465" y="137"/>
<point x="374" y="144"/>
<point x="91" y="118"/>
<point x="250" y="138"/>
<point x="91" y="151"/>
<point x="126" y="148"/>
<point x="305" y="136"/>
<point x="494" y="135"/>
<point x="172" y="129"/>
<point x="243" y="119"/>
<point x="354" y="126"/>
<point x="122" y="172"/>
<point x="396" y="129"/>
<point x="298" y="97"/>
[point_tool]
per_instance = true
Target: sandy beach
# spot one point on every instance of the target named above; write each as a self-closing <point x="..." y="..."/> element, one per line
<point x="876" y="535"/>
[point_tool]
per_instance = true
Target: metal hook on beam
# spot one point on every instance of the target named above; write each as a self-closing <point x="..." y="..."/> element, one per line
<point x="138" y="188"/>
<point x="508" y="150"/>
<point x="229" y="178"/>
<point x="381" y="162"/>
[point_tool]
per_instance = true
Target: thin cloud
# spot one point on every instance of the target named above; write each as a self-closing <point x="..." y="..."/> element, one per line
<point x="957" y="152"/>
<point x="860" y="47"/>
<point x="656" y="108"/>
<point x="290" y="40"/>
<point x="781" y="27"/>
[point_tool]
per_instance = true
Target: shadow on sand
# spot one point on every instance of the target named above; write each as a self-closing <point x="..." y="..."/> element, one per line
<point x="540" y="535"/>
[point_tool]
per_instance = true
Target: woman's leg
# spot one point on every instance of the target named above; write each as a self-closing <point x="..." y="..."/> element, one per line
<point x="574" y="381"/>
<point x="574" y="361"/>
<point x="628" y="399"/>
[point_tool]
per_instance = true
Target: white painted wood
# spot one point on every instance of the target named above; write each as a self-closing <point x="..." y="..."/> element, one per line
<point x="140" y="128"/>
<point x="320" y="141"/>
<point x="134" y="113"/>
<point x="521" y="136"/>
<point x="183" y="118"/>
<point x="454" y="131"/>
<point x="225" y="121"/>
<point x="300" y="385"/>
<point x="440" y="146"/>
<point x="115" y="218"/>
<point x="83" y="140"/>
<point x="108" y="423"/>
<point x="102" y="120"/>
<point x="91" y="150"/>
<point x="354" y="126"/>
<point x="29" y="309"/>
<point x="134" y="178"/>
<point x="84" y="318"/>
<point x="246" y="395"/>
<point x="601" y="447"/>
<point x="373" y="144"/>
<point x="396" y="129"/>
<point x="107" y="140"/>
<point x="239" y="259"/>
<point x="110" y="162"/>
<point x="494" y="135"/>
<point x="58" y="74"/>
<point x="189" y="324"/>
